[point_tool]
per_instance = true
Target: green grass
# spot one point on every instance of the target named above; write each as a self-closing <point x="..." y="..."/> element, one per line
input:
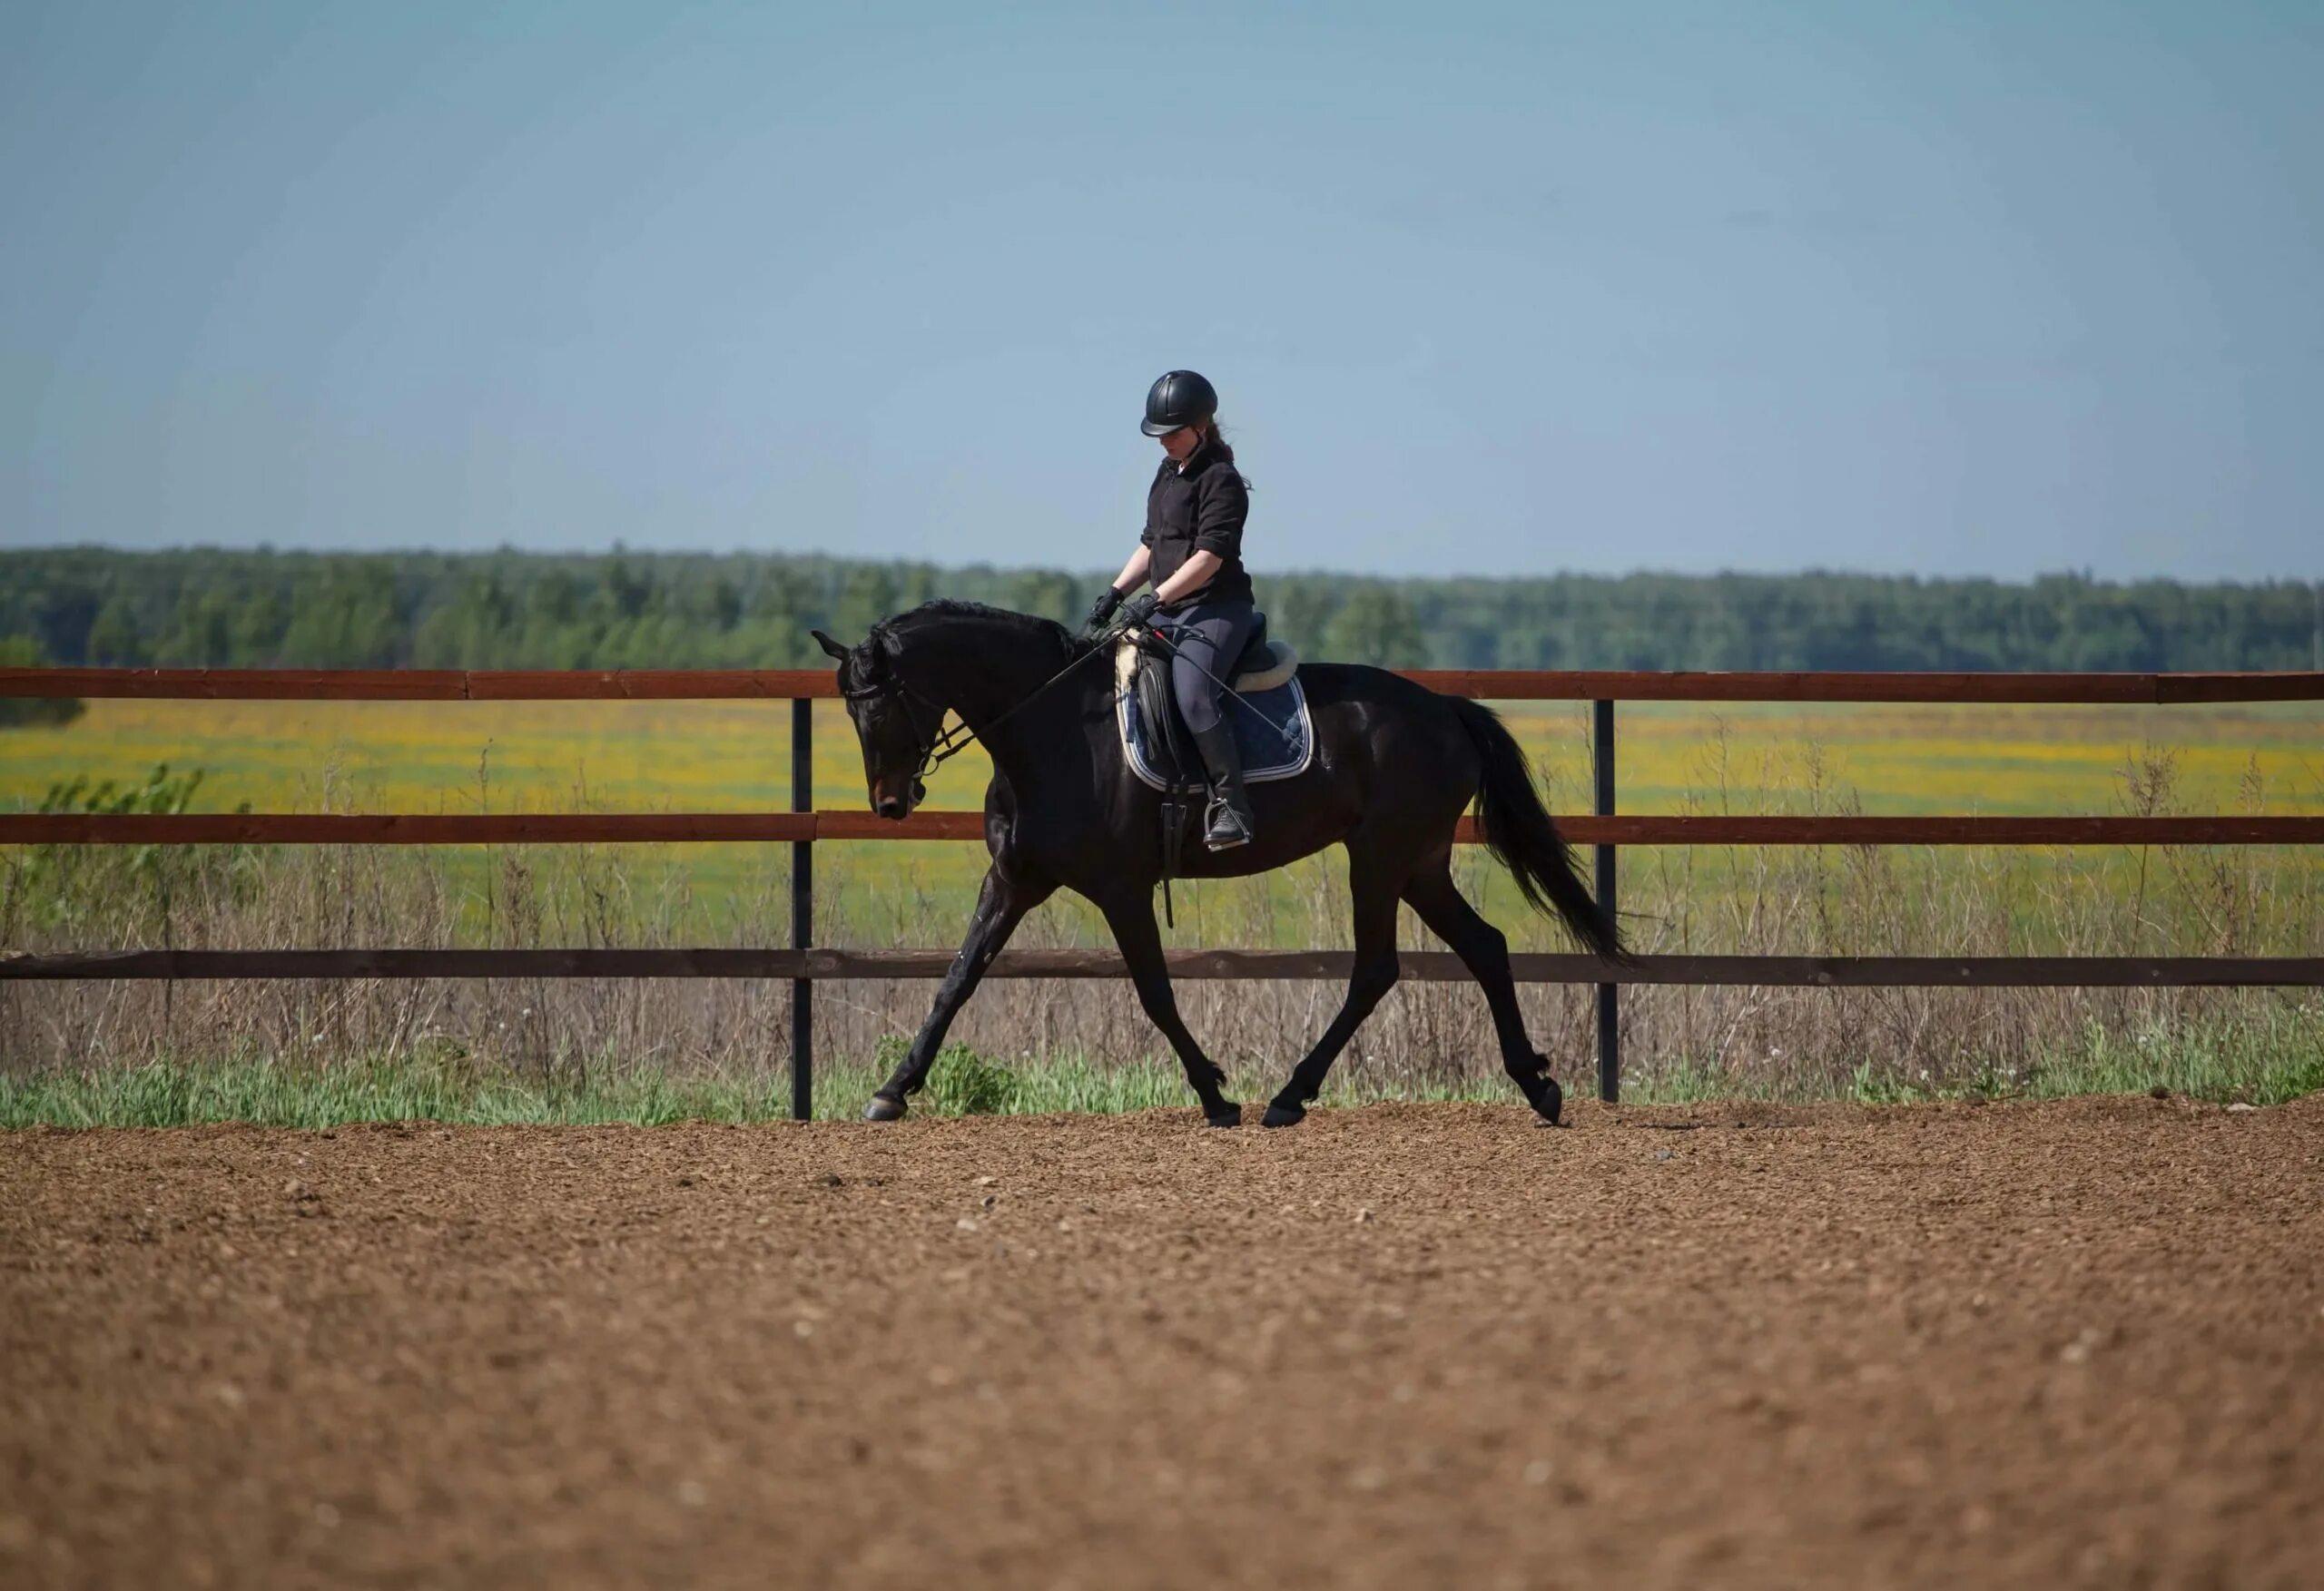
<point x="265" y="1092"/>
<point x="2266" y="1062"/>
<point x="2263" y="1059"/>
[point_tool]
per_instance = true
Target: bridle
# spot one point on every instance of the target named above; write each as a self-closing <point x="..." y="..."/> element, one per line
<point x="941" y="746"/>
<point x="944" y="743"/>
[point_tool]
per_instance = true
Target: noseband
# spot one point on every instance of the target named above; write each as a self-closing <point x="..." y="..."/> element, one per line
<point x="943" y="745"/>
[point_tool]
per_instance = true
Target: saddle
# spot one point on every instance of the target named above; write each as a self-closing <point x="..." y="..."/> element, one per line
<point x="1272" y="729"/>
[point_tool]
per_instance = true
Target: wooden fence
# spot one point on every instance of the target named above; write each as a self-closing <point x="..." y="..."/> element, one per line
<point x="803" y="963"/>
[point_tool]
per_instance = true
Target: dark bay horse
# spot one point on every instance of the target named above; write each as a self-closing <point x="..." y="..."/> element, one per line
<point x="1395" y="766"/>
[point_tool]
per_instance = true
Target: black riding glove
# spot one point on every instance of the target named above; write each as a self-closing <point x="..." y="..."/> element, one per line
<point x="1105" y="609"/>
<point x="1139" y="608"/>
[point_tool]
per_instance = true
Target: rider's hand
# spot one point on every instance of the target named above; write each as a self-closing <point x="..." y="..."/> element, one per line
<point x="1104" y="610"/>
<point x="1139" y="608"/>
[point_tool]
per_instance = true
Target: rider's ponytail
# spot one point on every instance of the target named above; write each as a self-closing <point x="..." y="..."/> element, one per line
<point x="1218" y="440"/>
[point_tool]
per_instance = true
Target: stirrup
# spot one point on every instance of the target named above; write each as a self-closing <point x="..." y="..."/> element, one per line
<point x="1236" y="829"/>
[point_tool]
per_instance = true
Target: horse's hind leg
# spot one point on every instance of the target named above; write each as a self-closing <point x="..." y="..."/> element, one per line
<point x="1131" y="917"/>
<point x="1484" y="949"/>
<point x="1374" y="886"/>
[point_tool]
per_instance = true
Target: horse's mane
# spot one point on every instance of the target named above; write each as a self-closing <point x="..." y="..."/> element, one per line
<point x="889" y="632"/>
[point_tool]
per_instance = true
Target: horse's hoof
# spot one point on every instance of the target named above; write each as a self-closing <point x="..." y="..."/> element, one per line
<point x="1228" y="1115"/>
<point x="1542" y="1092"/>
<point x="1283" y="1115"/>
<point x="1550" y="1103"/>
<point x="883" y="1109"/>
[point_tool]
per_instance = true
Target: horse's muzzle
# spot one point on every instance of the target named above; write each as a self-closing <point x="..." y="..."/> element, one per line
<point x="895" y="807"/>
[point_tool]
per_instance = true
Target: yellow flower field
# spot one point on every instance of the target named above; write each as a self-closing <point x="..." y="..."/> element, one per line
<point x="720" y="756"/>
<point x="717" y="756"/>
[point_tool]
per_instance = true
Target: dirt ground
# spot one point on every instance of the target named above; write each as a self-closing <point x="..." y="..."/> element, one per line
<point x="2031" y="1345"/>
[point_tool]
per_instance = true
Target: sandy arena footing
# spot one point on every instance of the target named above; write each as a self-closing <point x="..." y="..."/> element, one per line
<point x="2078" y="1343"/>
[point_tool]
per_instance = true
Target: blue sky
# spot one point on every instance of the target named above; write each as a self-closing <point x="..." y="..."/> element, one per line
<point x="1958" y="288"/>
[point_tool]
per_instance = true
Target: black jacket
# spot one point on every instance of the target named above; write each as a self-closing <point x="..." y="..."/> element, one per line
<point x="1199" y="509"/>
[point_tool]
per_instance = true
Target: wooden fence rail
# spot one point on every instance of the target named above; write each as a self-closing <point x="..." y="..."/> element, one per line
<point x="818" y="684"/>
<point x="802" y="828"/>
<point x="718" y="827"/>
<point x="1232" y="966"/>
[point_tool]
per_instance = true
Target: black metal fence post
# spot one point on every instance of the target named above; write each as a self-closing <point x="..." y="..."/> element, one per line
<point x="803" y="912"/>
<point x="1609" y="996"/>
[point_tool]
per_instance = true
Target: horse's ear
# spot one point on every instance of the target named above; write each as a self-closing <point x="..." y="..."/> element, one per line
<point x="829" y="646"/>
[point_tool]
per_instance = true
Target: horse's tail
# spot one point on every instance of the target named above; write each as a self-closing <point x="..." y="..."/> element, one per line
<point x="1522" y="837"/>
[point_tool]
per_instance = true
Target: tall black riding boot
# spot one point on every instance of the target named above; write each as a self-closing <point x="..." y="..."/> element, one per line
<point x="1230" y="822"/>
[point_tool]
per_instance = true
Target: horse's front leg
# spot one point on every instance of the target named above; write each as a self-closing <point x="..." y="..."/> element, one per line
<point x="1001" y="905"/>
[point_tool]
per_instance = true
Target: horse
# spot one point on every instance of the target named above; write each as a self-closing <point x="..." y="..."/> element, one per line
<point x="1396" y="764"/>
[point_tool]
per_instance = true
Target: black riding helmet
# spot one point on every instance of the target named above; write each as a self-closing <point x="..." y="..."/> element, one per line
<point x="1180" y="398"/>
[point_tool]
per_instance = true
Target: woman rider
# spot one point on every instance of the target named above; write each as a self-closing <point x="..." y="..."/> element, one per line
<point x="1192" y="549"/>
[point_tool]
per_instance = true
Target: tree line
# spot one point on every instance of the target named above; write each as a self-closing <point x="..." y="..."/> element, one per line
<point x="626" y="609"/>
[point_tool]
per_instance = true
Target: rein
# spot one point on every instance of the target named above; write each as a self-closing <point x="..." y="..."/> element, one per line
<point x="947" y="742"/>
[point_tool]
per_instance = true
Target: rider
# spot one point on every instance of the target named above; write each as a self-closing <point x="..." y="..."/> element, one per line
<point x="1192" y="548"/>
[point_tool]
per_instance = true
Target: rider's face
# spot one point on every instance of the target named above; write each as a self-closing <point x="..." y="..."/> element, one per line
<point x="1181" y="442"/>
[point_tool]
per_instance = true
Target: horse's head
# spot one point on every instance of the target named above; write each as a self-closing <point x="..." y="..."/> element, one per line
<point x="897" y="728"/>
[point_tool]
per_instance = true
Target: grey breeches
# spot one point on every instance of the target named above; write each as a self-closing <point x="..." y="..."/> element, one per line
<point x="1212" y="634"/>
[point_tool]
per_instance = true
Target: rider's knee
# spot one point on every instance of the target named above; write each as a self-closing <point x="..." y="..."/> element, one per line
<point x="1198" y="704"/>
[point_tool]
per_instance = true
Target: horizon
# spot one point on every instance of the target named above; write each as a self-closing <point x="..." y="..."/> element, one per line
<point x="1962" y="293"/>
<point x="1258" y="571"/>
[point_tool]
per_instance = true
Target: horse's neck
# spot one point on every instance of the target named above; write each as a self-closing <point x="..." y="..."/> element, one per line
<point x="981" y="676"/>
